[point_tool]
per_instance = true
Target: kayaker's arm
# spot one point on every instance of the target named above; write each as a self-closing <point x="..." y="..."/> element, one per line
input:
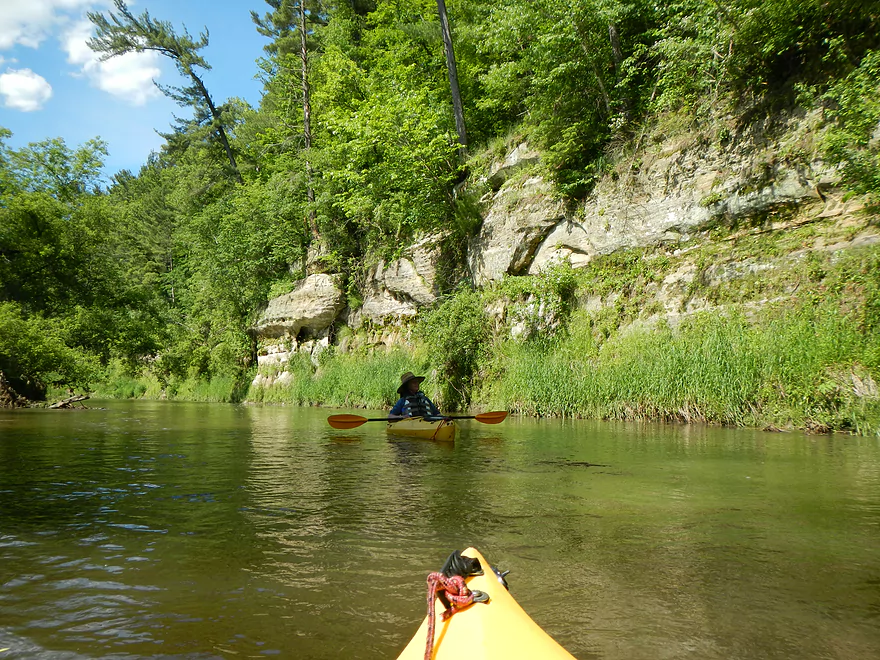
<point x="397" y="410"/>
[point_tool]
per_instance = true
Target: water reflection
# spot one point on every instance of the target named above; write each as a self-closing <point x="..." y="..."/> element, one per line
<point x="187" y="530"/>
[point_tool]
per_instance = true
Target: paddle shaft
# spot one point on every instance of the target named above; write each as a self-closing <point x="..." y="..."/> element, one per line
<point x="391" y="420"/>
<point x="353" y="421"/>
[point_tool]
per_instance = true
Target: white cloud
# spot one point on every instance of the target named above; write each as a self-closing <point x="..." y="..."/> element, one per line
<point x="24" y="90"/>
<point x="28" y="22"/>
<point x="127" y="76"/>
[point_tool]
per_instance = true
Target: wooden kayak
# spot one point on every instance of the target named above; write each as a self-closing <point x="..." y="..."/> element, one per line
<point x="495" y="630"/>
<point x="441" y="430"/>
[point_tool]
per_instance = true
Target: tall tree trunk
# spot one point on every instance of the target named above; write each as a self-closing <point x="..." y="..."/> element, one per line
<point x="453" y="76"/>
<point x="616" y="50"/>
<point x="307" y="112"/>
<point x="598" y="75"/>
<point x="221" y="133"/>
<point x="617" y="54"/>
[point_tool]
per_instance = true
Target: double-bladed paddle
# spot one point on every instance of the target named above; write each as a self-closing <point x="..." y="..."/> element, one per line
<point x="353" y="421"/>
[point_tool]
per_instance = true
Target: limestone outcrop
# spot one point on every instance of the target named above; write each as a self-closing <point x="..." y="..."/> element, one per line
<point x="676" y="195"/>
<point x="679" y="184"/>
<point x="521" y="156"/>
<point x="521" y="215"/>
<point x="395" y="290"/>
<point x="678" y="187"/>
<point x="312" y="306"/>
<point x="279" y="353"/>
<point x="300" y="322"/>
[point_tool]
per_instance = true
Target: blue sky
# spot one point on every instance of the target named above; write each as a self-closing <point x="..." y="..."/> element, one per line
<point x="51" y="85"/>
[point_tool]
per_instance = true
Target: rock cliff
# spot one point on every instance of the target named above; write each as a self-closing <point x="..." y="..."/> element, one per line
<point x="676" y="186"/>
<point x="667" y="192"/>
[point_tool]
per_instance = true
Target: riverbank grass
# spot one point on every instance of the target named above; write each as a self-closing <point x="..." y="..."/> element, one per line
<point x="119" y="383"/>
<point x="806" y="367"/>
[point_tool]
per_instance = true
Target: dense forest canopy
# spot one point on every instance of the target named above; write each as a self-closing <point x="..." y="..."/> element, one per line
<point x="354" y="150"/>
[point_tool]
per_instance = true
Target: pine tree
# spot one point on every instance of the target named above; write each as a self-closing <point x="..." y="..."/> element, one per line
<point x="127" y="33"/>
<point x="289" y="26"/>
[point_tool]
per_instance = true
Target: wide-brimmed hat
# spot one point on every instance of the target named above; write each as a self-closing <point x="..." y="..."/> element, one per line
<point x="405" y="379"/>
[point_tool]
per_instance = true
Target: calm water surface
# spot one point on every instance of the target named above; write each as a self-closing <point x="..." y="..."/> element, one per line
<point x="179" y="530"/>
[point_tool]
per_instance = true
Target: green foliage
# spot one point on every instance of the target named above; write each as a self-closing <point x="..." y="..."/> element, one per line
<point x="281" y="24"/>
<point x="553" y="60"/>
<point x="855" y="112"/>
<point x="62" y="268"/>
<point x="691" y="49"/>
<point x="389" y="158"/>
<point x="456" y="332"/>
<point x="775" y="41"/>
<point x="34" y="355"/>
<point x="53" y="168"/>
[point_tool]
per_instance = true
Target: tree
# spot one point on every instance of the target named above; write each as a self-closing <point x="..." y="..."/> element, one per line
<point x="288" y="27"/>
<point x="50" y="166"/>
<point x="453" y="74"/>
<point x="69" y="297"/>
<point x="127" y="33"/>
<point x="45" y="237"/>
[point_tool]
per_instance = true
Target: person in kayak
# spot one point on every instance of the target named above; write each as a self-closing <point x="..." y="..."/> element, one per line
<point x="413" y="402"/>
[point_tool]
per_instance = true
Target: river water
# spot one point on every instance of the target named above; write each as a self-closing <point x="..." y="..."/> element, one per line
<point x="179" y="530"/>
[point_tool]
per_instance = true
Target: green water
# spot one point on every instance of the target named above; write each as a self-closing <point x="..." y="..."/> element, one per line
<point x="179" y="530"/>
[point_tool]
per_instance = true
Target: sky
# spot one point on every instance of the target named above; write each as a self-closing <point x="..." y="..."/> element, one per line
<point x="52" y="85"/>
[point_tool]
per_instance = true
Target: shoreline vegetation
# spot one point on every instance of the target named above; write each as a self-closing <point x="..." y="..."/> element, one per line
<point x="793" y="347"/>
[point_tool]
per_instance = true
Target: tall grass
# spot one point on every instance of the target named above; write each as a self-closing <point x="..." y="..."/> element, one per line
<point x="351" y="380"/>
<point x="118" y="383"/>
<point x="796" y="366"/>
<point x="219" y="389"/>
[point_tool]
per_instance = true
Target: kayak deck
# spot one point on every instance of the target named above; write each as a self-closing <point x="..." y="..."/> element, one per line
<point x="497" y="630"/>
<point x="441" y="430"/>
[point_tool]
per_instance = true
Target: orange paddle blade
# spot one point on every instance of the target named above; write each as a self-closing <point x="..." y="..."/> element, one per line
<point x="346" y="421"/>
<point x="491" y="417"/>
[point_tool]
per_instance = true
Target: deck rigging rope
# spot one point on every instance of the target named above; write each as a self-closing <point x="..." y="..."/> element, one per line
<point x="437" y="430"/>
<point x="456" y="592"/>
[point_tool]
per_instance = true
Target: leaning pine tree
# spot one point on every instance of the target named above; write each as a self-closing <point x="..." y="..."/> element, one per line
<point x="127" y="33"/>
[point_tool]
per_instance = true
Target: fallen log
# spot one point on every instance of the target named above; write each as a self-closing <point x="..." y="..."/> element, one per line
<point x="9" y="398"/>
<point x="68" y="402"/>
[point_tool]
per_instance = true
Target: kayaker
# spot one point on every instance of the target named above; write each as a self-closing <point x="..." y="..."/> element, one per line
<point x="413" y="402"/>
